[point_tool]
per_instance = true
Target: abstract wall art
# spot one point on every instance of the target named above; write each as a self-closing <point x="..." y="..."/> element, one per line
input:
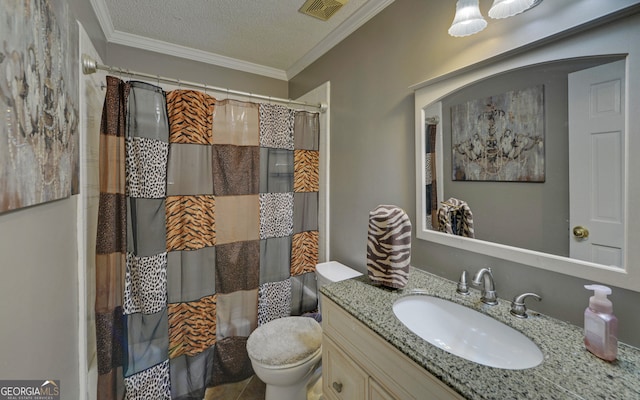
<point x="499" y="138"/>
<point x="38" y="103"/>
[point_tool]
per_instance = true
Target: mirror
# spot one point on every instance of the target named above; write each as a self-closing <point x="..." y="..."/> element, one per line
<point x="514" y="217"/>
<point x="512" y="173"/>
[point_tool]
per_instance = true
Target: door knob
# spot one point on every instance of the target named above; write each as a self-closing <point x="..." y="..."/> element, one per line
<point x="580" y="232"/>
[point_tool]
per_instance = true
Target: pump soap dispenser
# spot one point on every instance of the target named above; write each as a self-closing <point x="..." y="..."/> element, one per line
<point x="600" y="325"/>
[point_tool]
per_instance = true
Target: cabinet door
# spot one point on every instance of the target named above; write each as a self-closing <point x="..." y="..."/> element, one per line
<point x="342" y="378"/>
<point x="395" y="374"/>
<point x="376" y="392"/>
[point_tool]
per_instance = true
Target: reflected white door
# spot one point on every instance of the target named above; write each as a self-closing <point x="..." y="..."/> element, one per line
<point x="596" y="163"/>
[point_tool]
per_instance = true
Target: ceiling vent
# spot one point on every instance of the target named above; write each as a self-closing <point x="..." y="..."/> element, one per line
<point x="322" y="9"/>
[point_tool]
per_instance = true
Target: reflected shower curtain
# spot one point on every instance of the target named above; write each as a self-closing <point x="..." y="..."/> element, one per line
<point x="209" y="228"/>
<point x="431" y="184"/>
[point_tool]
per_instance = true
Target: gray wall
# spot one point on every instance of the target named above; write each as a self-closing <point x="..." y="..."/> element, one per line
<point x="372" y="144"/>
<point x="39" y="287"/>
<point x="83" y="12"/>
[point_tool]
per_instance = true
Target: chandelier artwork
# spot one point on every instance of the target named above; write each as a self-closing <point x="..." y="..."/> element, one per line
<point x="499" y="138"/>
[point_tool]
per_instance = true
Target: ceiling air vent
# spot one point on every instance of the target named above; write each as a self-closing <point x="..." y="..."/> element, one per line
<point x="322" y="9"/>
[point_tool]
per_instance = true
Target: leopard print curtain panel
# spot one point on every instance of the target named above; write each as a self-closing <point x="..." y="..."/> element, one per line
<point x="111" y="242"/>
<point x="222" y="217"/>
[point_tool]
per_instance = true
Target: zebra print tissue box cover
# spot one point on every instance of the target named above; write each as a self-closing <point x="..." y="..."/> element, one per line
<point x="389" y="246"/>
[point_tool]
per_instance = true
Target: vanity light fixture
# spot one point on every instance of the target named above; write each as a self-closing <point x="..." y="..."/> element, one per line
<point x="468" y="19"/>
<point x="509" y="8"/>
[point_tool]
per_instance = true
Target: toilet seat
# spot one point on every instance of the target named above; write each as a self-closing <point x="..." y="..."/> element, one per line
<point x="296" y="364"/>
<point x="285" y="342"/>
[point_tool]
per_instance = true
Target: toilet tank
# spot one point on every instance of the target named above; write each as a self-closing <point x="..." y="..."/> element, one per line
<point x="329" y="272"/>
<point x="333" y="271"/>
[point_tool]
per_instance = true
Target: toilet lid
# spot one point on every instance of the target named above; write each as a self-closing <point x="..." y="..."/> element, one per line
<point x="285" y="341"/>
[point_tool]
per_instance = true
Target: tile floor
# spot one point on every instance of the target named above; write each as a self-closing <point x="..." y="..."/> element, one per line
<point x="249" y="389"/>
<point x="253" y="389"/>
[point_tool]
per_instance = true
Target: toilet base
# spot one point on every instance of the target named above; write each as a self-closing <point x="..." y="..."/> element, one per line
<point x="308" y="389"/>
<point x="297" y="392"/>
<point x="314" y="387"/>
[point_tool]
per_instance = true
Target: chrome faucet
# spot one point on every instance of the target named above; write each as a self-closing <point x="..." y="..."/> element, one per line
<point x="484" y="279"/>
<point x="462" y="288"/>
<point x="518" y="308"/>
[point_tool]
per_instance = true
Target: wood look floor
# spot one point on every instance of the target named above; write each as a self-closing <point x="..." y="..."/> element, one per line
<point x="254" y="389"/>
<point x="249" y="389"/>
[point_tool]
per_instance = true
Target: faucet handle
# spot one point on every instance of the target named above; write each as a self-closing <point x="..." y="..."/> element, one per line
<point x="518" y="308"/>
<point x="463" y="288"/>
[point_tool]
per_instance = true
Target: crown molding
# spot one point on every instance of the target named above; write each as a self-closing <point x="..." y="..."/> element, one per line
<point x="359" y="18"/>
<point x="350" y="25"/>
<point x="104" y="18"/>
<point x="194" y="54"/>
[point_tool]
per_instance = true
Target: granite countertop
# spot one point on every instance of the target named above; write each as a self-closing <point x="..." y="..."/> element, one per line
<point x="568" y="371"/>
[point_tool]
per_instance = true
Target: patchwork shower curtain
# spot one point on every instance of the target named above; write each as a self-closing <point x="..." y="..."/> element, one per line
<point x="208" y="227"/>
<point x="431" y="184"/>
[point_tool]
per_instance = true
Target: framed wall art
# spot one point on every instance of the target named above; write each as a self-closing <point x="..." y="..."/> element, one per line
<point x="38" y="103"/>
<point x="499" y="138"/>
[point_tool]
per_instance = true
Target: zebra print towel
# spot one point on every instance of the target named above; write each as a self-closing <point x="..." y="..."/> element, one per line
<point x="455" y="218"/>
<point x="389" y="246"/>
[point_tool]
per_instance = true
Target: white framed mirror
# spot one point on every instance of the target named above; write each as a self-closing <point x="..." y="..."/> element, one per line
<point x="544" y="238"/>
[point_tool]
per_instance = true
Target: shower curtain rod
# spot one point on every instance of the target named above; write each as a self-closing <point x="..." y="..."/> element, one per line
<point x="90" y="66"/>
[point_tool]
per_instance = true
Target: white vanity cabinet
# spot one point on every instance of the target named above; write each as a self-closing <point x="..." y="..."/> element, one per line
<point x="342" y="378"/>
<point x="358" y="364"/>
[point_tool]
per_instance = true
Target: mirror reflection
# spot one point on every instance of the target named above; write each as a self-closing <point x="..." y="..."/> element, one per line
<point x="513" y="167"/>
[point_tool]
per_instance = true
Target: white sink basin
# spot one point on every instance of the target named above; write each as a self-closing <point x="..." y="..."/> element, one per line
<point x="467" y="333"/>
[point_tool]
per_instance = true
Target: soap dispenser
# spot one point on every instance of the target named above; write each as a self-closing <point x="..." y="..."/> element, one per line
<point x="600" y="325"/>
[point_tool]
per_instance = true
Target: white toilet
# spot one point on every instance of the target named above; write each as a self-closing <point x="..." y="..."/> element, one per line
<point x="329" y="272"/>
<point x="284" y="354"/>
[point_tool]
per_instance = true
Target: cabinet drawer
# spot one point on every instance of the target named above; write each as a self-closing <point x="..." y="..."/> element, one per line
<point x="342" y="379"/>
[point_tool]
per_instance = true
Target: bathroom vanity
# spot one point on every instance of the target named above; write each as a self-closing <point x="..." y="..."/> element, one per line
<point x="369" y="354"/>
<point x="365" y="366"/>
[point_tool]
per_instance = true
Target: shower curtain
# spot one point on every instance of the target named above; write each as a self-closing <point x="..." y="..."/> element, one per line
<point x="207" y="228"/>
<point x="431" y="184"/>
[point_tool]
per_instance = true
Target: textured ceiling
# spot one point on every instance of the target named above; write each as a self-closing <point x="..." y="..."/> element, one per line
<point x="269" y="37"/>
